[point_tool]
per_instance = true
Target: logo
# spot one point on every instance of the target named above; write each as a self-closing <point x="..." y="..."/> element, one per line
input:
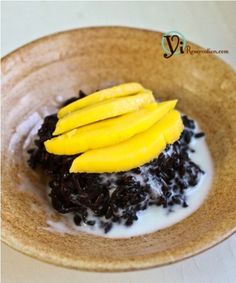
<point x="173" y="43"/>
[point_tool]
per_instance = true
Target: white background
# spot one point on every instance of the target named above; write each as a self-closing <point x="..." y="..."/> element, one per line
<point x="209" y="24"/>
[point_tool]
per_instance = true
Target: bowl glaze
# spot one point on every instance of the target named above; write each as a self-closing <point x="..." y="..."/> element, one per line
<point x="94" y="58"/>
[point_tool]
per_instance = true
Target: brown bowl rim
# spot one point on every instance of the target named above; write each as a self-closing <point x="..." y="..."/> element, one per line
<point x="118" y="266"/>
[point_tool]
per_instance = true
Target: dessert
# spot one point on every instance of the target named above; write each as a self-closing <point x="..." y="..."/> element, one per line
<point x="113" y="156"/>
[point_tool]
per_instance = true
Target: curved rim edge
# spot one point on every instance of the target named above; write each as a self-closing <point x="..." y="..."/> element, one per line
<point x="92" y="265"/>
<point x="117" y="266"/>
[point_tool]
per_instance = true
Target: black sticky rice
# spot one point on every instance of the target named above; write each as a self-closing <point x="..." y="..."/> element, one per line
<point x="116" y="201"/>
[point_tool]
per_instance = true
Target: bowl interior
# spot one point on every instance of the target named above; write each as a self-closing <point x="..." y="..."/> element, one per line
<point x="41" y="73"/>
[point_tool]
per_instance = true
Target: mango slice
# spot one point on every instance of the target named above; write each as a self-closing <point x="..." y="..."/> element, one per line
<point x="134" y="152"/>
<point x="108" y="132"/>
<point x="103" y="110"/>
<point x="98" y="96"/>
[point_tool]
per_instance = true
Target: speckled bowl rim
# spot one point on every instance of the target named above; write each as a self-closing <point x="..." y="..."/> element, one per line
<point x="115" y="266"/>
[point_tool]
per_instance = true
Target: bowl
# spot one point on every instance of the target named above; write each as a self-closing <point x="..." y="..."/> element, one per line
<point x="43" y="72"/>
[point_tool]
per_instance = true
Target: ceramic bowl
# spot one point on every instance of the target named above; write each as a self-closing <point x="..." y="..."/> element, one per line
<point x="57" y="66"/>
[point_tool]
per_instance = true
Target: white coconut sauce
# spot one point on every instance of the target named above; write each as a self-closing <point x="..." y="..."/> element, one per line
<point x="154" y="217"/>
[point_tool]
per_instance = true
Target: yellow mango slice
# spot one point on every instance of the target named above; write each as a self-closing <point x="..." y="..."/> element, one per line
<point x="133" y="152"/>
<point x="171" y="126"/>
<point x="103" y="110"/>
<point x="108" y="132"/>
<point x="98" y="96"/>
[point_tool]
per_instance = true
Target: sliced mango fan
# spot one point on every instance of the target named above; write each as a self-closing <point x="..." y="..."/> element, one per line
<point x="115" y="129"/>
